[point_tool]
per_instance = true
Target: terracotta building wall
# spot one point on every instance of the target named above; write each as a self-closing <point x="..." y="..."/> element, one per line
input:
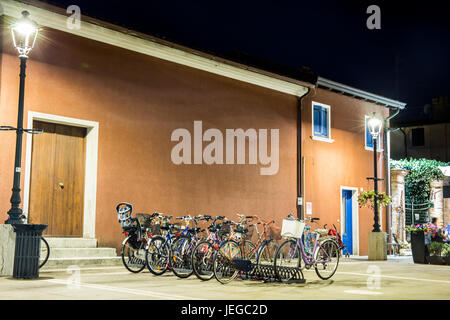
<point x="345" y="162"/>
<point x="138" y="102"/>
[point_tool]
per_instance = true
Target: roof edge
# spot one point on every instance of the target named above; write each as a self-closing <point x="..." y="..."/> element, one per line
<point x="371" y="97"/>
<point x="54" y="17"/>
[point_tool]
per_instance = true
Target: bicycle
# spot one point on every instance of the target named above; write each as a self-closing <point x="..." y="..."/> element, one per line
<point x="160" y="253"/>
<point x="182" y="248"/>
<point x="324" y="257"/>
<point x="203" y="253"/>
<point x="231" y="251"/>
<point x="136" y="238"/>
<point x="334" y="234"/>
<point x="44" y="252"/>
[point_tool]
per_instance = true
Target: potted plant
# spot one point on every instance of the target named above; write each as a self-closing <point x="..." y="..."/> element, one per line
<point x="418" y="248"/>
<point x="435" y="248"/>
<point x="421" y="236"/>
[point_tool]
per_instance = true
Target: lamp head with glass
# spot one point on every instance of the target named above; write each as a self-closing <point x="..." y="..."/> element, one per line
<point x="24" y="33"/>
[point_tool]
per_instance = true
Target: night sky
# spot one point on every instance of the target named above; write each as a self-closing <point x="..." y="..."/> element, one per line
<point x="407" y="60"/>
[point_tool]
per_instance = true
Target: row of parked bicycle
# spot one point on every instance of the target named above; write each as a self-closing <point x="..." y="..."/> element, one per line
<point x="223" y="248"/>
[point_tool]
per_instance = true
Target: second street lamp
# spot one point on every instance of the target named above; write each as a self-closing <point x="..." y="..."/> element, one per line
<point x="24" y="33"/>
<point x="374" y="125"/>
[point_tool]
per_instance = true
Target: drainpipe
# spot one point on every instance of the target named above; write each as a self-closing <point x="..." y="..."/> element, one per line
<point x="387" y="171"/>
<point x="405" y="142"/>
<point x="300" y="198"/>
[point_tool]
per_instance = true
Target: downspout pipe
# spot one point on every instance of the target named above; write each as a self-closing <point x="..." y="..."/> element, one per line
<point x="405" y="142"/>
<point x="300" y="198"/>
<point x="387" y="168"/>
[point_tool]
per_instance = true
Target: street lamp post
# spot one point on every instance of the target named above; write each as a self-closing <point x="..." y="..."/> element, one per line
<point x="374" y="125"/>
<point x="24" y="33"/>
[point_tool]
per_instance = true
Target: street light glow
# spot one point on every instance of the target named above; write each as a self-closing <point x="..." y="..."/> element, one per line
<point x="374" y="125"/>
<point x="24" y="33"/>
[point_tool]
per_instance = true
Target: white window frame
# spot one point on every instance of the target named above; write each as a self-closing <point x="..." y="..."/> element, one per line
<point x="328" y="108"/>
<point x="380" y="141"/>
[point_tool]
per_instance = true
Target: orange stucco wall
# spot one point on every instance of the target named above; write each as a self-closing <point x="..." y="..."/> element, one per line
<point x="138" y="102"/>
<point x="344" y="162"/>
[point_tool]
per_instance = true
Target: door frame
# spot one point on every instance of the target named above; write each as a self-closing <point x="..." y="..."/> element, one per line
<point x="90" y="172"/>
<point x="355" y="217"/>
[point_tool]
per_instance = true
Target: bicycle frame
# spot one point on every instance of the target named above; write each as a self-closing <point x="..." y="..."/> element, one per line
<point x="309" y="260"/>
<point x="262" y="241"/>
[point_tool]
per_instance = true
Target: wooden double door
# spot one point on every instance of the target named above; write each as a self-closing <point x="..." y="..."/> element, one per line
<point x="57" y="179"/>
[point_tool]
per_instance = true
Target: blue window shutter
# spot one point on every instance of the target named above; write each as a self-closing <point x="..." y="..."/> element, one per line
<point x="317" y="120"/>
<point x="324" y="117"/>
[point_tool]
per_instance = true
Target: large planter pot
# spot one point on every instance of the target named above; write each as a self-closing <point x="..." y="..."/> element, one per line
<point x="436" y="260"/>
<point x="418" y="248"/>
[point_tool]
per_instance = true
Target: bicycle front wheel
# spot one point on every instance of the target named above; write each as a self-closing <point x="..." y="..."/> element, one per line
<point x="181" y="257"/>
<point x="326" y="259"/>
<point x="267" y="253"/>
<point x="224" y="270"/>
<point x="157" y="255"/>
<point x="44" y="252"/>
<point x="133" y="254"/>
<point x="202" y="260"/>
<point x="288" y="255"/>
<point x="249" y="252"/>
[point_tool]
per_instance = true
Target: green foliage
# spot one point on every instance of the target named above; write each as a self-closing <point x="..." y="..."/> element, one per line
<point x="435" y="248"/>
<point x="446" y="250"/>
<point x="421" y="173"/>
<point x="367" y="199"/>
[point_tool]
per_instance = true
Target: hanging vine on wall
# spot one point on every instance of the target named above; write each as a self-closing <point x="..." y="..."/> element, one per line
<point x="421" y="173"/>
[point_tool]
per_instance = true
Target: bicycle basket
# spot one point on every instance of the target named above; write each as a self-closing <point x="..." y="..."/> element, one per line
<point x="224" y="229"/>
<point x="144" y="219"/>
<point x="292" y="228"/>
<point x="274" y="232"/>
<point x="155" y="228"/>
<point x="250" y="231"/>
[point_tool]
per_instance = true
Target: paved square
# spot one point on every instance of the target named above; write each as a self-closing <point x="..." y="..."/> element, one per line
<point x="355" y="279"/>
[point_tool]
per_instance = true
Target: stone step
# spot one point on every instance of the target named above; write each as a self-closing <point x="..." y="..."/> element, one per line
<point x="71" y="242"/>
<point x="82" y="252"/>
<point x="54" y="263"/>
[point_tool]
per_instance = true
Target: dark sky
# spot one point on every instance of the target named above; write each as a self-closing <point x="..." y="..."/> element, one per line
<point x="408" y="59"/>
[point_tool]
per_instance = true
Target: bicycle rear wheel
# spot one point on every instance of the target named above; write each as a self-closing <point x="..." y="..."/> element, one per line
<point x="157" y="255"/>
<point x="202" y="260"/>
<point x="133" y="254"/>
<point x="288" y="255"/>
<point x="326" y="259"/>
<point x="181" y="257"/>
<point x="44" y="252"/>
<point x="224" y="270"/>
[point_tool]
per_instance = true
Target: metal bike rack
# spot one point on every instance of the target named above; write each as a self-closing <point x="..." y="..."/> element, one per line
<point x="251" y="271"/>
